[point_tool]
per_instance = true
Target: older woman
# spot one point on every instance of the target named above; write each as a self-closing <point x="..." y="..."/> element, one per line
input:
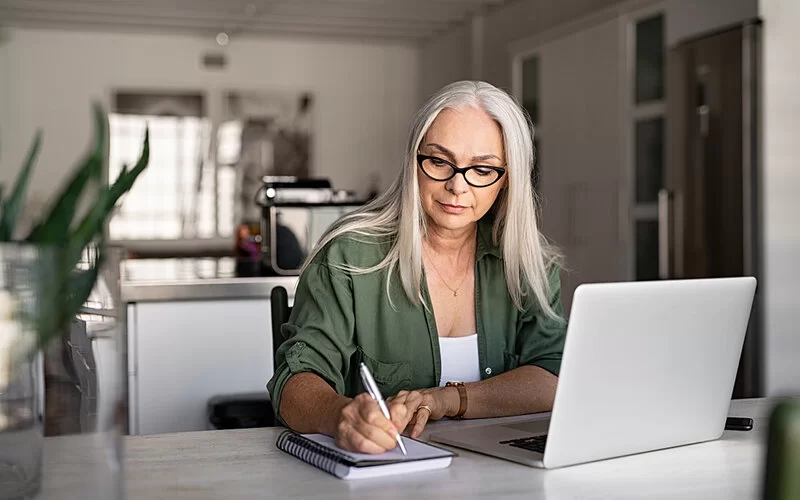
<point x="443" y="286"/>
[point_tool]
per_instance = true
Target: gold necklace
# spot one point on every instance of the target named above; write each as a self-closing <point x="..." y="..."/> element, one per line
<point x="454" y="290"/>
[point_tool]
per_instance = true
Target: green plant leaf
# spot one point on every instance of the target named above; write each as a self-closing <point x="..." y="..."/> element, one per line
<point x="64" y="287"/>
<point x="73" y="287"/>
<point x="13" y="204"/>
<point x="56" y="225"/>
<point x="93" y="223"/>
<point x="63" y="305"/>
<point x="122" y="173"/>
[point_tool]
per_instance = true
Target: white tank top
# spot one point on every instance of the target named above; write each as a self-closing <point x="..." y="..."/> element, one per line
<point x="460" y="362"/>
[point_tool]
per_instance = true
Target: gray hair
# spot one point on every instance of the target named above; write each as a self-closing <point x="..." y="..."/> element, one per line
<point x="397" y="214"/>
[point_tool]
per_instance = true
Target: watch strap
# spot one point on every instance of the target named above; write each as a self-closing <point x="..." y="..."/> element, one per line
<point x="462" y="397"/>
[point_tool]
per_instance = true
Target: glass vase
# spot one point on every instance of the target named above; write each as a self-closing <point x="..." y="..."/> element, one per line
<point x="72" y="391"/>
<point x="85" y="374"/>
<point x="21" y="375"/>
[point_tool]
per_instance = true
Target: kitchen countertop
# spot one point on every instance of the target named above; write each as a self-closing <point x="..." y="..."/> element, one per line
<point x="158" y="280"/>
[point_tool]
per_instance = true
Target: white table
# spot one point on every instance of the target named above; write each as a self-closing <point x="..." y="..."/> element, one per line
<point x="245" y="464"/>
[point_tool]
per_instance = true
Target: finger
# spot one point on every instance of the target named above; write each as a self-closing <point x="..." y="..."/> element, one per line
<point x="401" y="415"/>
<point x="375" y="426"/>
<point x="422" y="419"/>
<point x="370" y="412"/>
<point x="355" y="441"/>
<point x="351" y="431"/>
<point x="410" y="426"/>
<point x="383" y="438"/>
<point x="413" y="401"/>
<point x="400" y="397"/>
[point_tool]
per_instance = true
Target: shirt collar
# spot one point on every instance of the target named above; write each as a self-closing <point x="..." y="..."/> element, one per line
<point x="485" y="245"/>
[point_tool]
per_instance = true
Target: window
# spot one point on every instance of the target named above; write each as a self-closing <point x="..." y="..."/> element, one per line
<point x="648" y="119"/>
<point x="181" y="194"/>
<point x="196" y="187"/>
<point x="649" y="60"/>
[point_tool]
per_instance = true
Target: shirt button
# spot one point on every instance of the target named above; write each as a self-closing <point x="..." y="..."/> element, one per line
<point x="488" y="371"/>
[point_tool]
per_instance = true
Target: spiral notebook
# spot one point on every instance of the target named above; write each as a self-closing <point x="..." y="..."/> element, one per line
<point x="321" y="451"/>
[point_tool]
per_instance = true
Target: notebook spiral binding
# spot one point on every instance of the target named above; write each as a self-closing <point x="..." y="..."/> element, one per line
<point x="310" y="452"/>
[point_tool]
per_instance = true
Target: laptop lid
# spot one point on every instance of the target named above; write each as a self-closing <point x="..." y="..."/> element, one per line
<point x="646" y="366"/>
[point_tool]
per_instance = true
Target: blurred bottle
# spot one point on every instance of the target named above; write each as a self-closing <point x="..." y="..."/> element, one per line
<point x="374" y="186"/>
<point x="782" y="475"/>
<point x="248" y="250"/>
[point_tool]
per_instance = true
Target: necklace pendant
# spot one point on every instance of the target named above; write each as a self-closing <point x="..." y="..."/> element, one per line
<point x="455" y="293"/>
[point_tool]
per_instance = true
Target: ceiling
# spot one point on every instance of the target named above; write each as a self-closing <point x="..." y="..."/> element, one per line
<point x="404" y="20"/>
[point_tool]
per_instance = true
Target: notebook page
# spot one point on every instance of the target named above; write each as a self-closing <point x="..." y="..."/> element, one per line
<point x="417" y="450"/>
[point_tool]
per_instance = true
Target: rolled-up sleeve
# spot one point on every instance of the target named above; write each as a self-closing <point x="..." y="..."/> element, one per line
<point x="540" y="339"/>
<point x="319" y="333"/>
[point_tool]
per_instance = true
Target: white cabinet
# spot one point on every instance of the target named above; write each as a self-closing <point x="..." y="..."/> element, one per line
<point x="181" y="353"/>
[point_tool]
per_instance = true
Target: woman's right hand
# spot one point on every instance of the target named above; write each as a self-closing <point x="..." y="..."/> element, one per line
<point x="362" y="428"/>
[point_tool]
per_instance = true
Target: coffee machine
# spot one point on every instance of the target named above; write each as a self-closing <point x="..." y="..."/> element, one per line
<point x="295" y="213"/>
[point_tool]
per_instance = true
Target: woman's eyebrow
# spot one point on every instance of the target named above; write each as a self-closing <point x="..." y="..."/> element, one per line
<point x="486" y="157"/>
<point x="450" y="154"/>
<point x="442" y="150"/>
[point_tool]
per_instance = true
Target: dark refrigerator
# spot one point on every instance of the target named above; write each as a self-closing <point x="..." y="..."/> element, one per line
<point x="709" y="208"/>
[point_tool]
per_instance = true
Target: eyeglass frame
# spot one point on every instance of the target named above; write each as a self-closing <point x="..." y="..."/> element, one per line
<point x="457" y="170"/>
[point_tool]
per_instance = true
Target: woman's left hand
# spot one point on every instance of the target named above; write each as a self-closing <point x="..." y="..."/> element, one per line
<point x="424" y="405"/>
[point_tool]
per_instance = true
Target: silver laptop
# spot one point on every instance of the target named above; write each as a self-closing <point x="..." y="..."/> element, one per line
<point x="646" y="366"/>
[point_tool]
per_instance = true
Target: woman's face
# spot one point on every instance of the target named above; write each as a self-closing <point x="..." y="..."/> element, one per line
<point x="464" y="137"/>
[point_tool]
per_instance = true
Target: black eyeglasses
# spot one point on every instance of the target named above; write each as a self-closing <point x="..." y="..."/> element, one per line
<point x="442" y="170"/>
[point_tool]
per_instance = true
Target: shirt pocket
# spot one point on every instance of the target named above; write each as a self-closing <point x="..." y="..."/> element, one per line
<point x="390" y="377"/>
<point x="510" y="360"/>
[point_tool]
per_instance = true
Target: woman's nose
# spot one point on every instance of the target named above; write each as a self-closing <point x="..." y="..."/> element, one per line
<point x="458" y="184"/>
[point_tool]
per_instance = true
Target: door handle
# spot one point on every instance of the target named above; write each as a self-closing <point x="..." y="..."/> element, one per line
<point x="664" y="225"/>
<point x="704" y="112"/>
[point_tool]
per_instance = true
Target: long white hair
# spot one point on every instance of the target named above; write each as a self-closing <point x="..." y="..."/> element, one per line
<point x="397" y="215"/>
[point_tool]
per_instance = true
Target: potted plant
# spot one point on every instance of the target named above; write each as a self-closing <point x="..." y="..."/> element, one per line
<point x="44" y="282"/>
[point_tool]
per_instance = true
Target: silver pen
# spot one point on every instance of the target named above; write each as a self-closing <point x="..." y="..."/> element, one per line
<point x="372" y="389"/>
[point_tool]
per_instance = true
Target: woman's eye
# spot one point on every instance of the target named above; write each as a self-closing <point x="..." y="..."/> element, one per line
<point x="483" y="171"/>
<point x="438" y="162"/>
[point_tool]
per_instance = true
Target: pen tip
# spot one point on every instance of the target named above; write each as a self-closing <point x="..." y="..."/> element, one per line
<point x="402" y="446"/>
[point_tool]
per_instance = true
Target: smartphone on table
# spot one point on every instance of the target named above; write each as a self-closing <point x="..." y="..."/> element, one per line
<point x="738" y="424"/>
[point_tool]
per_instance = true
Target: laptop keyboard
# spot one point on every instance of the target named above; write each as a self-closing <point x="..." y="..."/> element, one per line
<point x="533" y="443"/>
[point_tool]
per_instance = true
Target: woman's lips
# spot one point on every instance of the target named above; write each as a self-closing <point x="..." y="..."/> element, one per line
<point x="452" y="209"/>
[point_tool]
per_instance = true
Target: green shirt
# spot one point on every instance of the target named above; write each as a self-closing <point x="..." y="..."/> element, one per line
<point x="340" y="319"/>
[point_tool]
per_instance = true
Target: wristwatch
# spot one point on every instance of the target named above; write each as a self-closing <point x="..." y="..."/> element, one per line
<point x="462" y="396"/>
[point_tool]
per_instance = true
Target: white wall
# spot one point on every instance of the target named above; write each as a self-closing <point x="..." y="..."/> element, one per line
<point x="364" y="93"/>
<point x="781" y="120"/>
<point x="446" y="58"/>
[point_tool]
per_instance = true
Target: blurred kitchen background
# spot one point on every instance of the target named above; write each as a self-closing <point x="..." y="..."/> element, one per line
<point x="665" y="135"/>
